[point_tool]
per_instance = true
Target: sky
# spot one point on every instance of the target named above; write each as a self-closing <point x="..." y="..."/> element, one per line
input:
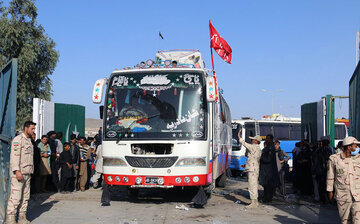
<point x="305" y="48"/>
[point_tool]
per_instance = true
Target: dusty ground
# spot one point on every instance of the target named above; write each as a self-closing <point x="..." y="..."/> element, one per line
<point x="159" y="206"/>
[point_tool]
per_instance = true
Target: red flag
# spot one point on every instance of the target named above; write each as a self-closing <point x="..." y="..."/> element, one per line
<point x="219" y="44"/>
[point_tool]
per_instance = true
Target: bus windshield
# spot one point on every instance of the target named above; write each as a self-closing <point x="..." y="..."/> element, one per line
<point x="340" y="131"/>
<point x="162" y="105"/>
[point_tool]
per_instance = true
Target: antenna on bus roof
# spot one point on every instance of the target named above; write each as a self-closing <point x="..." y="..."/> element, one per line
<point x="160" y="37"/>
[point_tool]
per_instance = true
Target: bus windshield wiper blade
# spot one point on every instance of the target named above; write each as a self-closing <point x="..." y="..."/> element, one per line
<point x="127" y="130"/>
<point x="140" y="119"/>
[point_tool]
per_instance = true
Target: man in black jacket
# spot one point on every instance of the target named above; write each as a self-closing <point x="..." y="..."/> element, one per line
<point x="75" y="153"/>
<point x="66" y="169"/>
<point x="53" y="159"/>
<point x="269" y="176"/>
<point x="320" y="161"/>
<point x="35" y="186"/>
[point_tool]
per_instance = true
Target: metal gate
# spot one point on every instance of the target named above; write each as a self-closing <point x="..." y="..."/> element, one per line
<point x="8" y="90"/>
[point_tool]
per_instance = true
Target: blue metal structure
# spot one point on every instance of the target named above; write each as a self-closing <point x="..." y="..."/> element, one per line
<point x="8" y="91"/>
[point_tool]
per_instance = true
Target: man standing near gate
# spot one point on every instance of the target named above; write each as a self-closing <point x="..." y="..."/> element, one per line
<point x="253" y="153"/>
<point x="21" y="168"/>
<point x="343" y="177"/>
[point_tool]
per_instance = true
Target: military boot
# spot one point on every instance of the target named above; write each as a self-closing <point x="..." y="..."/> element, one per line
<point x="254" y="204"/>
<point x="23" y="219"/>
<point x="10" y="219"/>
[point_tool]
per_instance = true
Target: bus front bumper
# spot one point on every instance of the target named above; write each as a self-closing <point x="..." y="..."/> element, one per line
<point x="139" y="181"/>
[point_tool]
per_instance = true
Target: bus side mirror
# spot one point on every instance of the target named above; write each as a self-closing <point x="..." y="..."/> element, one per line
<point x="101" y="109"/>
<point x="98" y="90"/>
<point x="210" y="89"/>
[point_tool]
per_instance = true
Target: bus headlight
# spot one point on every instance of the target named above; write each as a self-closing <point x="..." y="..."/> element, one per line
<point x="138" y="180"/>
<point x="178" y="180"/>
<point x="109" y="178"/>
<point x="187" y="179"/>
<point x="161" y="181"/>
<point x="191" y="162"/>
<point x="107" y="161"/>
<point x="196" y="179"/>
<point x="117" y="179"/>
<point x="125" y="179"/>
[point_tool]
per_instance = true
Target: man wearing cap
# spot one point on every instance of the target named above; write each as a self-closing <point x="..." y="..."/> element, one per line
<point x="253" y="152"/>
<point x="344" y="175"/>
<point x="21" y="168"/>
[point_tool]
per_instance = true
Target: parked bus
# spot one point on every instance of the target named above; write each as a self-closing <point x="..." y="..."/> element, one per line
<point x="163" y="127"/>
<point x="287" y="131"/>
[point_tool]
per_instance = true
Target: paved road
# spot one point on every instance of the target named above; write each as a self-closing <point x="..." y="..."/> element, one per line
<point x="159" y="206"/>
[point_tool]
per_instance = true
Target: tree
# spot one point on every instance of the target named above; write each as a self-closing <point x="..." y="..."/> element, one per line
<point x="23" y="38"/>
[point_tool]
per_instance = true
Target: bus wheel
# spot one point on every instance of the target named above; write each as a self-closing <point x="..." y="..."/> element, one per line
<point x="234" y="173"/>
<point x="133" y="193"/>
<point x="221" y="181"/>
<point x="208" y="190"/>
<point x="229" y="173"/>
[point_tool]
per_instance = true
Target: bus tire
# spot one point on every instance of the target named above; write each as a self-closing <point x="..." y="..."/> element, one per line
<point x="234" y="173"/>
<point x="133" y="193"/>
<point x="221" y="180"/>
<point x="208" y="190"/>
<point x="228" y="173"/>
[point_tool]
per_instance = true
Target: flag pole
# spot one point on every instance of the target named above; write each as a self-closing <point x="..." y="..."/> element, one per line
<point x="215" y="79"/>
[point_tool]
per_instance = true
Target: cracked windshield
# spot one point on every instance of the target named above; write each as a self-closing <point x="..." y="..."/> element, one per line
<point x="157" y="105"/>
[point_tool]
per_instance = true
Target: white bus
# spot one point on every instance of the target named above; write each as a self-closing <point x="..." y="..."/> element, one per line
<point x="162" y="127"/>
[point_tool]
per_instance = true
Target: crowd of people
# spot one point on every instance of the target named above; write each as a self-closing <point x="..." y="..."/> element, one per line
<point x="309" y="171"/>
<point x="319" y="170"/>
<point x="311" y="166"/>
<point x="65" y="167"/>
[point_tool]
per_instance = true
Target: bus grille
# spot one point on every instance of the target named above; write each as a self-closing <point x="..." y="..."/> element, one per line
<point x="151" y="162"/>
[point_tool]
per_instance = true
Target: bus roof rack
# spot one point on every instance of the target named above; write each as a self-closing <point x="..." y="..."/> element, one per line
<point x="182" y="56"/>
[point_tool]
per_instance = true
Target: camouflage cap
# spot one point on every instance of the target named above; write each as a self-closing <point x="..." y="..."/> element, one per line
<point x="350" y="140"/>
<point x="257" y="138"/>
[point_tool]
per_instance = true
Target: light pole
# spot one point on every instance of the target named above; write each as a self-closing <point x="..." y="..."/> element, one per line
<point x="272" y="93"/>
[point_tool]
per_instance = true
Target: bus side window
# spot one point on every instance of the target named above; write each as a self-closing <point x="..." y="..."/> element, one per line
<point x="266" y="129"/>
<point x="281" y="131"/>
<point x="222" y="112"/>
<point x="340" y="131"/>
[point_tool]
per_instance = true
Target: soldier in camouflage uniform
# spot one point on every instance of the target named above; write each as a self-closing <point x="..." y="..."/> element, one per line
<point x="253" y="152"/>
<point x="344" y="175"/>
<point x="21" y="168"/>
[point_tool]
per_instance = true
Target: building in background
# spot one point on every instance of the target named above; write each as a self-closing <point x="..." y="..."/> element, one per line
<point x="92" y="126"/>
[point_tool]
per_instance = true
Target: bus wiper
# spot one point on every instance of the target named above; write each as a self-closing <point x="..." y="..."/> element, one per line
<point x="141" y="119"/>
<point x="128" y="129"/>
